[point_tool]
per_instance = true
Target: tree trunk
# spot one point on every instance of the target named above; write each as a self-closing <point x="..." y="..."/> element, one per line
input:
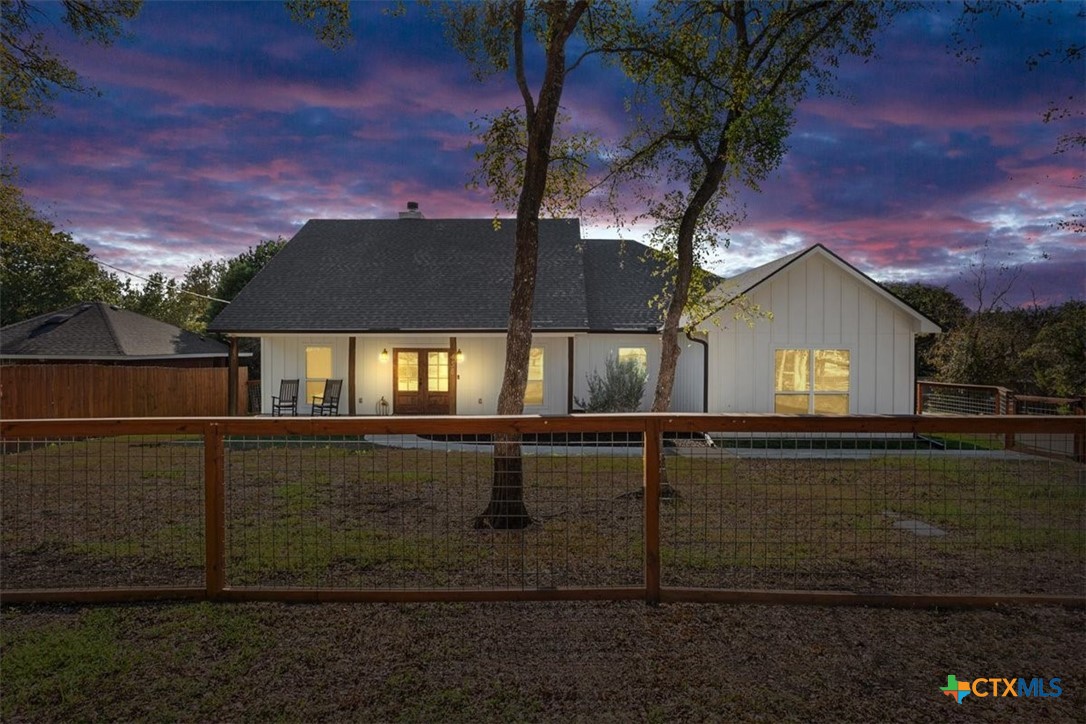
<point x="680" y="295"/>
<point x="506" y="509"/>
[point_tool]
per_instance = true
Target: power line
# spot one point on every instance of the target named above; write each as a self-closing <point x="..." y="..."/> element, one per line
<point x="132" y="274"/>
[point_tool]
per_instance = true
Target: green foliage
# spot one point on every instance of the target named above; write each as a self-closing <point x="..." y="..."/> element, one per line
<point x="500" y="162"/>
<point x="938" y="304"/>
<point x="32" y="71"/>
<point x="1056" y="358"/>
<point x="43" y="269"/>
<point x="330" y="20"/>
<point x="717" y="87"/>
<point x="619" y="390"/>
<point x="231" y="276"/>
<point x="161" y="298"/>
<point x="1032" y="351"/>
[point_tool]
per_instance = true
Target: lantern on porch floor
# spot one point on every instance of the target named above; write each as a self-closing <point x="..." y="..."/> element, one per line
<point x="382" y="407"/>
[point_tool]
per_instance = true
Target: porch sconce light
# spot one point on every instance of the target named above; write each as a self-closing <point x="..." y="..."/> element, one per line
<point x="383" y="357"/>
<point x="459" y="356"/>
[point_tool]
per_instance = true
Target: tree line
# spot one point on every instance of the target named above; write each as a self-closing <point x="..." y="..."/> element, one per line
<point x="44" y="269"/>
<point x="1032" y="350"/>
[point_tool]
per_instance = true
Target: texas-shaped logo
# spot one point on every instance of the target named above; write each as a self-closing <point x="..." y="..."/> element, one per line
<point x="955" y="688"/>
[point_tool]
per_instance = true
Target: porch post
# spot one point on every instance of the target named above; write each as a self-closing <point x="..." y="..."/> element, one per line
<point x="232" y="379"/>
<point x="569" y="377"/>
<point x="454" y="375"/>
<point x="352" y="397"/>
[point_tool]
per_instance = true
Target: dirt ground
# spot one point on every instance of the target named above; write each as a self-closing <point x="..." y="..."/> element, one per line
<point x="547" y="662"/>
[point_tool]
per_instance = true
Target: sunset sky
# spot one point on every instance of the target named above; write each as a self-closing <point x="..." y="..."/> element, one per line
<point x="222" y="124"/>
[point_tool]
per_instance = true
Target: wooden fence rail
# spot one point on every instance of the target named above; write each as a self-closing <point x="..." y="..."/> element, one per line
<point x="214" y="433"/>
<point x="60" y="391"/>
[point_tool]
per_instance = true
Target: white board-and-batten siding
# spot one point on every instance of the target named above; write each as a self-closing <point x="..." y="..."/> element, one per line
<point x="592" y="351"/>
<point x="283" y="357"/>
<point x="816" y="304"/>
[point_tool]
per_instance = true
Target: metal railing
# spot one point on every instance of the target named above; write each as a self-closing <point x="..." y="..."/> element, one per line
<point x="857" y="510"/>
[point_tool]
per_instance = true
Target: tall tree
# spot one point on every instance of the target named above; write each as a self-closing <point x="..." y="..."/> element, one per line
<point x="33" y="73"/>
<point x="519" y="142"/>
<point x="1056" y="358"/>
<point x="41" y="268"/>
<point x="718" y="84"/>
<point x="492" y="35"/>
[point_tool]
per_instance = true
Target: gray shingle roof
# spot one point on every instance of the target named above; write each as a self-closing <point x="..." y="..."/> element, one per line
<point x="100" y="331"/>
<point x="622" y="281"/>
<point x="409" y="274"/>
<point x="444" y="274"/>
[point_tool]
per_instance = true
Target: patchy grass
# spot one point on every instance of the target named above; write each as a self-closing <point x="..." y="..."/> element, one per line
<point x="532" y="662"/>
<point x="344" y="513"/>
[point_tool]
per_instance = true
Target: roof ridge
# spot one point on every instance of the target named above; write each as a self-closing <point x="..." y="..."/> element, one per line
<point x="106" y="317"/>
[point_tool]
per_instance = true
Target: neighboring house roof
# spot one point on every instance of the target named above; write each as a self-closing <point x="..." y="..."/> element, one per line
<point x="741" y="284"/>
<point x="96" y="330"/>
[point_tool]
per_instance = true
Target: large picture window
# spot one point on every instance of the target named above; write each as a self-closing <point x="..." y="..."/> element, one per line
<point x="318" y="368"/>
<point x="533" y="392"/>
<point x="811" y="381"/>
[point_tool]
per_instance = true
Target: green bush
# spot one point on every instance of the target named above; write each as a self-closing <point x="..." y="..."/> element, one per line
<point x="620" y="390"/>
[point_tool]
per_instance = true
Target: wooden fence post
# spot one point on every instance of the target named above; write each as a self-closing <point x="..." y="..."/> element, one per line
<point x="1007" y="406"/>
<point x="214" y="511"/>
<point x="232" y="381"/>
<point x="651" y="468"/>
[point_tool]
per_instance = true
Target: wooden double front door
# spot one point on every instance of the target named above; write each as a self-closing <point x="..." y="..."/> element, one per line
<point x="423" y="382"/>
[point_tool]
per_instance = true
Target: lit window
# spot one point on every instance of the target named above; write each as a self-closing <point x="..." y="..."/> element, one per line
<point x="407" y="371"/>
<point x="318" y="368"/>
<point x="533" y="393"/>
<point x="637" y="354"/>
<point x="796" y="369"/>
<point x="437" y="371"/>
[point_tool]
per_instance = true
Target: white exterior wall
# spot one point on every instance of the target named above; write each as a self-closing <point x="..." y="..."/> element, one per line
<point x="477" y="386"/>
<point x="590" y="355"/>
<point x="592" y="350"/>
<point x="686" y="395"/>
<point x="816" y="305"/>
<point x="283" y="357"/>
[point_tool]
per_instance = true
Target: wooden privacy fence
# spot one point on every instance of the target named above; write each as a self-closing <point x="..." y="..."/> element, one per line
<point x="900" y="511"/>
<point x="92" y="391"/>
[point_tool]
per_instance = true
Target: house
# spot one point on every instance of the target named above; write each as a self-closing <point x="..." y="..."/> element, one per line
<point x="412" y="313"/>
<point x="104" y="334"/>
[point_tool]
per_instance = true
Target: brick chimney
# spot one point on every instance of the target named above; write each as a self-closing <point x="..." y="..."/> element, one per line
<point x="412" y="211"/>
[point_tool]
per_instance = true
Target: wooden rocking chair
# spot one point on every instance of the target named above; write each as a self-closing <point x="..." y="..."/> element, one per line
<point x="287" y="399"/>
<point x="328" y="403"/>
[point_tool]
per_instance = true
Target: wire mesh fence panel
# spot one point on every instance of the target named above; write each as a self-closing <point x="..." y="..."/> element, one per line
<point x="115" y="512"/>
<point x="1032" y="405"/>
<point x="949" y="399"/>
<point x="946" y="513"/>
<point x="407" y="512"/>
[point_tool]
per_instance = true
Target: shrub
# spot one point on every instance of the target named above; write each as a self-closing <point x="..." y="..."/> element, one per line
<point x="620" y="390"/>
